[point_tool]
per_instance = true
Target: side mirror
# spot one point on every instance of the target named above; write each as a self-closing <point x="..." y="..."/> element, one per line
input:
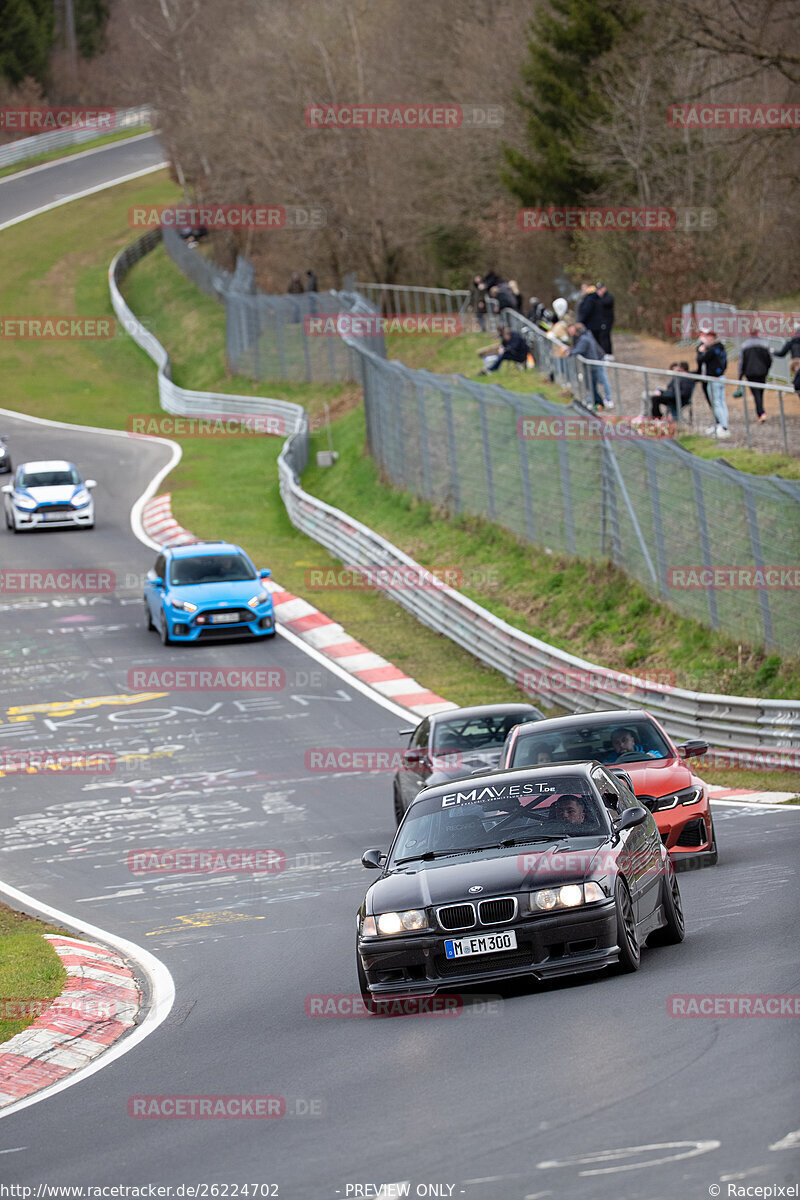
<point x="630" y="818"/>
<point x="373" y="859"/>
<point x="8" y="489"/>
<point x="90" y="483"/>
<point x="413" y="757"/>
<point x="158" y="581"/>
<point x="265" y="573"/>
<point x="693" y="748"/>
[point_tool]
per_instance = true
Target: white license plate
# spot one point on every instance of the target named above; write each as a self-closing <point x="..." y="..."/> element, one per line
<point x="481" y="943"/>
<point x="224" y="618"/>
<point x="60" y="516"/>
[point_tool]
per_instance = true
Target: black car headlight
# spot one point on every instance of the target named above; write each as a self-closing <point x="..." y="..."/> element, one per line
<point x="690" y="795"/>
<point x="389" y="924"/>
<point x="570" y="895"/>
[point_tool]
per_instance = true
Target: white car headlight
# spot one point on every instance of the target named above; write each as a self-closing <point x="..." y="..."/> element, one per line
<point x="81" y="498"/>
<point x="184" y="605"/>
<point x="26" y="502"/>
<point x="571" y="895"/>
<point x="402" y="922"/>
<point x="261" y="598"/>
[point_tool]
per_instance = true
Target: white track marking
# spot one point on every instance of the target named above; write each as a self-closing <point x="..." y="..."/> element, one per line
<point x="162" y="989"/>
<point x="696" y="1148"/>
<point x="790" y="1142"/>
<point x="101" y="187"/>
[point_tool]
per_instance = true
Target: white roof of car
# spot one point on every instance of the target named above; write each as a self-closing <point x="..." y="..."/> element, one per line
<point x="56" y="464"/>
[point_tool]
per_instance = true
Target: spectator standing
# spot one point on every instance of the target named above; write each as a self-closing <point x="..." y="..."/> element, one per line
<point x="606" y="301"/>
<point x="295" y="287"/>
<point x="755" y="361"/>
<point x="792" y="347"/>
<point x="589" y="310"/>
<point x="477" y="301"/>
<point x="491" y="279"/>
<point x="311" y="282"/>
<point x="586" y="345"/>
<point x="712" y="360"/>
<point x="517" y="294"/>
<point x="504" y="296"/>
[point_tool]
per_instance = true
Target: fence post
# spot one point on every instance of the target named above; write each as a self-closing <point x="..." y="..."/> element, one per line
<point x="566" y="495"/>
<point x="658" y="528"/>
<point x="530" y="524"/>
<point x="487" y="459"/>
<point x="423" y="441"/>
<point x="758" y="560"/>
<point x="451" y="447"/>
<point x="702" y="527"/>
<point x="610" y="540"/>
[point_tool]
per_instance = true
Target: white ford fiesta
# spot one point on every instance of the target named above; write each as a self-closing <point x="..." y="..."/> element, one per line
<point x="51" y="494"/>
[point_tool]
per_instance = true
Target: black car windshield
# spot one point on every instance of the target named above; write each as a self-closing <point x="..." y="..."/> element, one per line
<point x="477" y="732"/>
<point x="611" y="741"/>
<point x="479" y="816"/>
<point x="34" y="479"/>
<point x="211" y="568"/>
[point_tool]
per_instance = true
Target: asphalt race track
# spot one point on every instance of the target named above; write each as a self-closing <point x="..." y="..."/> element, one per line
<point x="585" y="1088"/>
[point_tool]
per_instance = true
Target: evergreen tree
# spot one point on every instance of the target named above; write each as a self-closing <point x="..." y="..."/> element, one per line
<point x="91" y="17"/>
<point x="560" y="97"/>
<point x="26" y="38"/>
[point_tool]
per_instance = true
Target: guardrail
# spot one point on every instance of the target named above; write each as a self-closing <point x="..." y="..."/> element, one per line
<point x="41" y="143"/>
<point x="730" y="722"/>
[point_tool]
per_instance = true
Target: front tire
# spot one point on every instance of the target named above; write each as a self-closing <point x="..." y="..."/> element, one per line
<point x="630" y="952"/>
<point x="148" y="618"/>
<point x="674" y="930"/>
<point x="163" y="631"/>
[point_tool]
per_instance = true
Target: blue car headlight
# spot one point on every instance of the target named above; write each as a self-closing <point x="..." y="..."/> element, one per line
<point x="257" y="601"/>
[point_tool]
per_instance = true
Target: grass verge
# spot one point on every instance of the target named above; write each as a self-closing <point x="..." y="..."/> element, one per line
<point x="30" y="969"/>
<point x="754" y="462"/>
<point x="105" y="139"/>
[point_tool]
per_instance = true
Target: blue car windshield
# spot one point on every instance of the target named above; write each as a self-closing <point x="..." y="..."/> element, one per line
<point x="211" y="568"/>
<point x="34" y="479"/>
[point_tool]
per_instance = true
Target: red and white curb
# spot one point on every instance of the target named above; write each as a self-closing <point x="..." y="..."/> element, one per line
<point x="159" y="523"/>
<point x="717" y="792"/>
<point x="99" y="1003"/>
<point x="313" y="627"/>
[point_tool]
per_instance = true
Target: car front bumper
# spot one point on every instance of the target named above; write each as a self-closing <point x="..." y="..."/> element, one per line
<point x="563" y="943"/>
<point x="41" y="519"/>
<point x="183" y="628"/>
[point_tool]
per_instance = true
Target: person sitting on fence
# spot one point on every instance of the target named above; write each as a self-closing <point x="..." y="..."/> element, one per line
<point x="513" y="348"/>
<point x="665" y="397"/>
<point x="792" y="347"/>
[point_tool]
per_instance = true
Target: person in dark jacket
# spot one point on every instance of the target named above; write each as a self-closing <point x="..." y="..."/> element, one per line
<point x="504" y="296"/>
<point x="491" y="279"/>
<point x="755" y="361"/>
<point x="477" y="301"/>
<point x="311" y="282"/>
<point x="589" y="310"/>
<point x="513" y="348"/>
<point x="585" y="344"/>
<point x="606" y="304"/>
<point x="792" y="347"/>
<point x="665" y="397"/>
<point x="712" y="360"/>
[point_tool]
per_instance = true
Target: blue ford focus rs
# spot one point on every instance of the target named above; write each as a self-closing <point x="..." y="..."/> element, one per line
<point x="207" y="590"/>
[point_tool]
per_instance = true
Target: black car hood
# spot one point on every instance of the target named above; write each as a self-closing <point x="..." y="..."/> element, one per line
<point x="497" y="872"/>
<point x="476" y="760"/>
